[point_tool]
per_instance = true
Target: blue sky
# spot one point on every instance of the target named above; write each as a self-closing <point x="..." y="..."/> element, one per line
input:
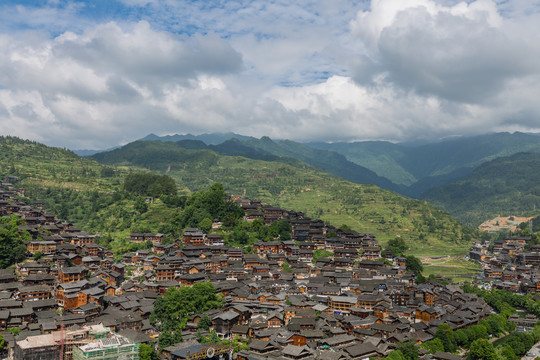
<point x="93" y="74"/>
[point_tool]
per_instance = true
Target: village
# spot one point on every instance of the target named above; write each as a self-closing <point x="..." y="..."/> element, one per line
<point x="76" y="302"/>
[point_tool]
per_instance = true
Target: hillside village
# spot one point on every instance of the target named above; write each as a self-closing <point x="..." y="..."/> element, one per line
<point x="503" y="223"/>
<point x="76" y="302"/>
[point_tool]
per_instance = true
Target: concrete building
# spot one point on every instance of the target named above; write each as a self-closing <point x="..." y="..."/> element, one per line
<point x="111" y="347"/>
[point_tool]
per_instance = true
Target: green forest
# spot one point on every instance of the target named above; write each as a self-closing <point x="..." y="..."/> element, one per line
<point x="502" y="187"/>
<point x="298" y="186"/>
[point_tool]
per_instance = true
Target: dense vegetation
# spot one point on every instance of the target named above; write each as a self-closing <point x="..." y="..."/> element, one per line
<point x="159" y="156"/>
<point x="93" y="197"/>
<point x="330" y="161"/>
<point x="502" y="187"/>
<point x="171" y="311"/>
<point x="474" y="338"/>
<point x="505" y="302"/>
<point x="150" y="185"/>
<point x="298" y="186"/>
<point x="420" y="167"/>
<point x="12" y="248"/>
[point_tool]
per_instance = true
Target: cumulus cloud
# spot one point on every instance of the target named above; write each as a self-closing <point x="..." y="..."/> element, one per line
<point x="461" y="53"/>
<point x="80" y="82"/>
<point x="388" y="69"/>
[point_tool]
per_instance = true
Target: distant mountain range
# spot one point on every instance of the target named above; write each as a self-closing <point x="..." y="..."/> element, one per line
<point x="501" y="187"/>
<point x="209" y="139"/>
<point x="421" y="167"/>
<point x="409" y="169"/>
<point x="244" y="168"/>
<point x="413" y="170"/>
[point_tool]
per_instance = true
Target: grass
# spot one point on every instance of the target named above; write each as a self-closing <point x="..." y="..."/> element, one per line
<point x="455" y="267"/>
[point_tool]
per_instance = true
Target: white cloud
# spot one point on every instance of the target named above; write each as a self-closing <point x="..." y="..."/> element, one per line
<point x="463" y="53"/>
<point x="393" y="70"/>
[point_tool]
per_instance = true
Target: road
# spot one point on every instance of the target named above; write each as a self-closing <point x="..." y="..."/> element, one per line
<point x="533" y="353"/>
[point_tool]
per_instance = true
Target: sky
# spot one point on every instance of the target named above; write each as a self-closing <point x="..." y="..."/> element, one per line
<point x="96" y="74"/>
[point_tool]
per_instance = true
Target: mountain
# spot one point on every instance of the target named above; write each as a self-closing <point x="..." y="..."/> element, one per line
<point x="408" y="168"/>
<point x="86" y="152"/>
<point x="296" y="186"/>
<point x="157" y="155"/>
<point x="269" y="150"/>
<point x="330" y="161"/>
<point x="231" y="147"/>
<point x="209" y="139"/>
<point x="501" y="187"/>
<point x="420" y="167"/>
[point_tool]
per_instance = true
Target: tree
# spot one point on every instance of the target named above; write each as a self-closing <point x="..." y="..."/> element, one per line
<point x="12" y="248"/>
<point x="508" y="353"/>
<point x="14" y="330"/>
<point x="205" y="225"/>
<point x="461" y="338"/>
<point x="147" y="352"/>
<point x="37" y="255"/>
<point x="165" y="339"/>
<point x="212" y="338"/>
<point x="205" y="322"/>
<point x="140" y="205"/>
<point x="240" y="236"/>
<point x="319" y="254"/>
<point x="446" y="335"/>
<point x="397" y="246"/>
<point x="286" y="267"/>
<point x="150" y="185"/>
<point x="408" y="349"/>
<point x="414" y="264"/>
<point x="281" y="229"/>
<point x="433" y="345"/>
<point x="482" y="349"/>
<point x="177" y="304"/>
<point x="2" y="342"/>
<point x="395" y="355"/>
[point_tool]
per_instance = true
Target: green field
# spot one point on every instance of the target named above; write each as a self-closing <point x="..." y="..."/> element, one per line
<point x="455" y="267"/>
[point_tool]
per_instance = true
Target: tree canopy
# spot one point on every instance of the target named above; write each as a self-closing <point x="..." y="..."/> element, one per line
<point x="482" y="349"/>
<point x="147" y="352"/>
<point x="172" y="309"/>
<point x="414" y="264"/>
<point x="397" y="246"/>
<point x="150" y="185"/>
<point x="12" y="248"/>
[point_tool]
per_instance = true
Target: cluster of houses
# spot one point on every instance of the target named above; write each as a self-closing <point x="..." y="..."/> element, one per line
<point x="502" y="223"/>
<point x="512" y="264"/>
<point x="350" y="305"/>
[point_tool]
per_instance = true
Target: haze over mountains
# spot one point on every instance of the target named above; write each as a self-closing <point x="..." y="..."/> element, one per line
<point x="409" y="169"/>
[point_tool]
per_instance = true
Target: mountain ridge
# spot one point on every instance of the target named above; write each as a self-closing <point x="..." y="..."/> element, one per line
<point x="501" y="187"/>
<point x="301" y="187"/>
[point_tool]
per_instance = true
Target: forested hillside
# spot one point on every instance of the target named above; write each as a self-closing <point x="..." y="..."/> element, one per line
<point x="298" y="186"/>
<point x="502" y="187"/>
<point x="420" y="167"/>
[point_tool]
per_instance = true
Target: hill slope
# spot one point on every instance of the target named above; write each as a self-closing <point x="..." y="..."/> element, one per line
<point x="77" y="189"/>
<point x="298" y="186"/>
<point x="330" y="161"/>
<point x="501" y="187"/>
<point x="267" y="149"/>
<point x="423" y="166"/>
